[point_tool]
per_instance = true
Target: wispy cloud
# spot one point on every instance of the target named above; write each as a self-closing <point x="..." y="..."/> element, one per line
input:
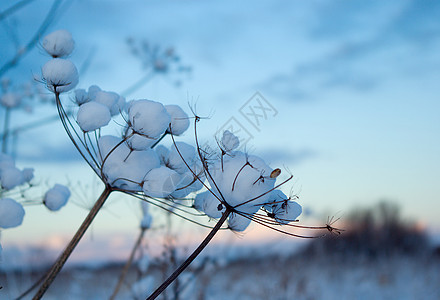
<point x="368" y="48"/>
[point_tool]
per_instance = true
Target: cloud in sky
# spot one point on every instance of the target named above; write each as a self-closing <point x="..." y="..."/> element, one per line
<point x="400" y="40"/>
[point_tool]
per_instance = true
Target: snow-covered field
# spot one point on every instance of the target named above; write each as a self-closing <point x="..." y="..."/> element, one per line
<point x="294" y="277"/>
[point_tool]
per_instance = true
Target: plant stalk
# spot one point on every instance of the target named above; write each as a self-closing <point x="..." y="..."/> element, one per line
<point x="190" y="259"/>
<point x="56" y="267"/>
<point x="6" y="130"/>
<point x="128" y="264"/>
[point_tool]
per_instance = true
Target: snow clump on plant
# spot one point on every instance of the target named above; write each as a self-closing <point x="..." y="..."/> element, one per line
<point x="58" y="43"/>
<point x="243" y="184"/>
<point x="12" y="180"/>
<point x="11" y="213"/>
<point x="56" y="197"/>
<point x="60" y="75"/>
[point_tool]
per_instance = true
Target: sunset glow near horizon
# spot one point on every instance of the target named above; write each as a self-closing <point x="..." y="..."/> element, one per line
<point x="353" y="89"/>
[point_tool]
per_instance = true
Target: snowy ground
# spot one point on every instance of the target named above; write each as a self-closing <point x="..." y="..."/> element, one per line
<point x="396" y="277"/>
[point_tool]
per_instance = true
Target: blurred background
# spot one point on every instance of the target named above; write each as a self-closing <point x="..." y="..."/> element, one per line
<point x="344" y="94"/>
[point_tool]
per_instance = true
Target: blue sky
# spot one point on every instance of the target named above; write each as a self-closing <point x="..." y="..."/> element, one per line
<point x="354" y="83"/>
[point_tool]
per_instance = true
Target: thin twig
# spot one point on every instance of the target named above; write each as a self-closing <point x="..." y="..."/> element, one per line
<point x="34" y="40"/>
<point x="12" y="9"/>
<point x="6" y="130"/>
<point x="188" y="261"/>
<point x="56" y="267"/>
<point x="128" y="264"/>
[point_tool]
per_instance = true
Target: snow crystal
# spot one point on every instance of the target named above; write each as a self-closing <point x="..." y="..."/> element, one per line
<point x="60" y="75"/>
<point x="93" y="115"/>
<point x="179" y="119"/>
<point x="58" y="43"/>
<point x="148" y="117"/>
<point x="11" y="213"/>
<point x="56" y="197"/>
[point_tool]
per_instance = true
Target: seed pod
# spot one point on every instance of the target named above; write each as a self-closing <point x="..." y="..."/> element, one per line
<point x="275" y="173"/>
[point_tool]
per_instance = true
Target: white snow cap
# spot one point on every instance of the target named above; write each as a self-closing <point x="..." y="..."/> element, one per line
<point x="138" y="142"/>
<point x="92" y="91"/>
<point x="81" y="96"/>
<point x="238" y="222"/>
<point x="189" y="155"/>
<point x="112" y="100"/>
<point x="28" y="174"/>
<point x="210" y="205"/>
<point x="188" y="184"/>
<point x="60" y="75"/>
<point x="124" y="168"/>
<point x="11" y="213"/>
<point x="160" y="182"/>
<point x="148" y="117"/>
<point x="56" y="197"/>
<point x="163" y="153"/>
<point x="10" y="100"/>
<point x="229" y="141"/>
<point x="58" y="43"/>
<point x="242" y="178"/>
<point x="93" y="115"/>
<point x="179" y="119"/>
<point x="283" y="209"/>
<point x="245" y="183"/>
<point x="10" y="177"/>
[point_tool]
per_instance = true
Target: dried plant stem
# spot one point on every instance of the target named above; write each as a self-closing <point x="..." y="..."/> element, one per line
<point x="56" y="267"/>
<point x="128" y="264"/>
<point x="189" y="260"/>
<point x="6" y="130"/>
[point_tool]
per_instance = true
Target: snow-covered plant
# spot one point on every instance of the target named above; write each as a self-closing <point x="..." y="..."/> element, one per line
<point x="155" y="60"/>
<point x="15" y="95"/>
<point x="15" y="186"/>
<point x="239" y="188"/>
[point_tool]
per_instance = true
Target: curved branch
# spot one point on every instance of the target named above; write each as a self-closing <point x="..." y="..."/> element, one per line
<point x="189" y="260"/>
<point x="34" y="40"/>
